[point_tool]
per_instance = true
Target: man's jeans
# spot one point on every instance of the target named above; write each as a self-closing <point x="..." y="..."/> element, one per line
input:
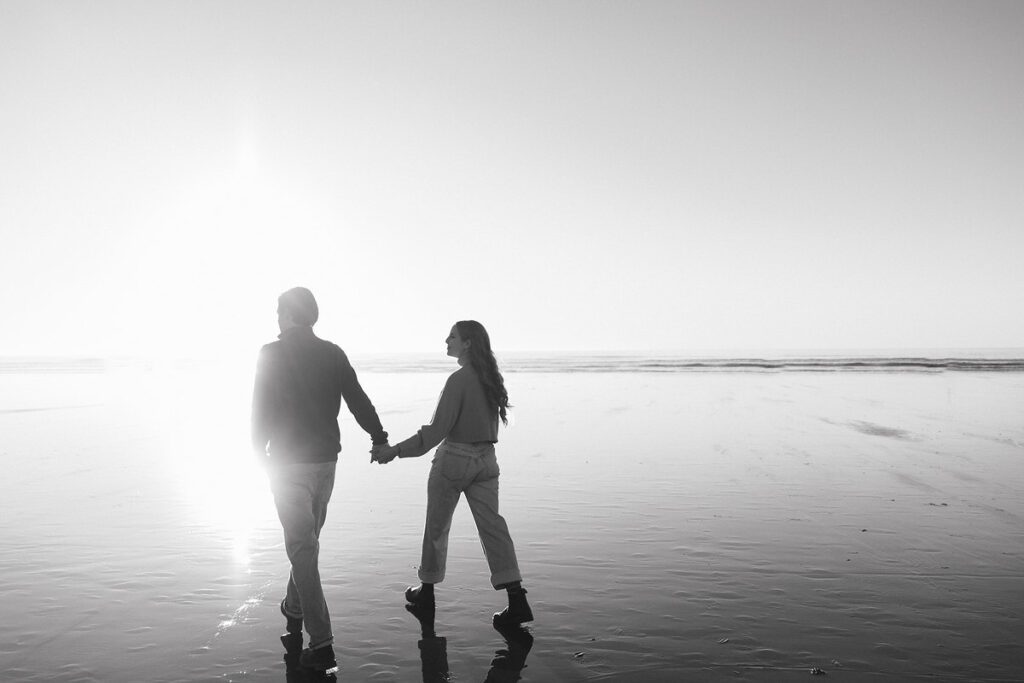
<point x="471" y="469"/>
<point x="301" y="493"/>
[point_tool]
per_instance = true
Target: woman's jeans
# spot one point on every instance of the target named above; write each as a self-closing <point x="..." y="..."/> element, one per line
<point x="301" y="493"/>
<point x="471" y="469"/>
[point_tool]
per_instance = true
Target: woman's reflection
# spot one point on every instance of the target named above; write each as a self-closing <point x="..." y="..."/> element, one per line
<point x="506" y="667"/>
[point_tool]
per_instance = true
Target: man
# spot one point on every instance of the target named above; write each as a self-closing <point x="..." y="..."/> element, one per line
<point x="300" y="382"/>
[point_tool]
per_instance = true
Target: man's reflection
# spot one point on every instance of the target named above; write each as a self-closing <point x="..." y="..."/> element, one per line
<point x="506" y="667"/>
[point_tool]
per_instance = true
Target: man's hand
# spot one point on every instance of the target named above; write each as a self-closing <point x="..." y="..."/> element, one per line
<point x="388" y="454"/>
<point x="376" y="450"/>
<point x="261" y="459"/>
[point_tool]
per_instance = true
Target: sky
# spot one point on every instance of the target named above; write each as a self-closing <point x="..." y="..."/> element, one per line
<point x="655" y="176"/>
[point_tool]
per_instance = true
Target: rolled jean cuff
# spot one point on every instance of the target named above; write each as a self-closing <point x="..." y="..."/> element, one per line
<point x="499" y="580"/>
<point x="322" y="644"/>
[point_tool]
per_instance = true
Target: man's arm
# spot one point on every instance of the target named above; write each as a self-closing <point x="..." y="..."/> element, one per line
<point x="359" y="403"/>
<point x="261" y="407"/>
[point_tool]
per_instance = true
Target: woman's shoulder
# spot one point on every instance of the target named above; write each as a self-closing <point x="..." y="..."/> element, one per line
<point x="464" y="376"/>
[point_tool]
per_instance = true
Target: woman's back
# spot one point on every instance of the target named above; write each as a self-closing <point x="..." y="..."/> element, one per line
<point x="475" y="420"/>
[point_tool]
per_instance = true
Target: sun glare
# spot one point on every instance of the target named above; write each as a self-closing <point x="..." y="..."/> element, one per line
<point x="210" y="258"/>
<point x="205" y="417"/>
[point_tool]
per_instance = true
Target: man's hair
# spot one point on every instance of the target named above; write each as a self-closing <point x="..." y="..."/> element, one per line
<point x="298" y="302"/>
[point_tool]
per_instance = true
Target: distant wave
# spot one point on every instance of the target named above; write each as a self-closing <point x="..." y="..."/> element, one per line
<point x="59" y="365"/>
<point x="667" y="364"/>
<point x="586" y="363"/>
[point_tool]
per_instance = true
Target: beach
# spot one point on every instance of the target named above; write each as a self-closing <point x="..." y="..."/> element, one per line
<point x="736" y="525"/>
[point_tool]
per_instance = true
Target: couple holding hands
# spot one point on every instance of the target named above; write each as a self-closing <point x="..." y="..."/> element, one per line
<point x="300" y="383"/>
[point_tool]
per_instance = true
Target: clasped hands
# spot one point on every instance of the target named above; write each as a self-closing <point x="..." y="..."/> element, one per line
<point x="383" y="453"/>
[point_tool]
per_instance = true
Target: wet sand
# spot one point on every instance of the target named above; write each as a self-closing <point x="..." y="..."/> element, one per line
<point x="684" y="526"/>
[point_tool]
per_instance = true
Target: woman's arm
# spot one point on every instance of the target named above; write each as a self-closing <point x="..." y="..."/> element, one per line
<point x="445" y="416"/>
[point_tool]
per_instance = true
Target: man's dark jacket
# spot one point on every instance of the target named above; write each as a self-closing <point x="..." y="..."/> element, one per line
<point x="300" y="382"/>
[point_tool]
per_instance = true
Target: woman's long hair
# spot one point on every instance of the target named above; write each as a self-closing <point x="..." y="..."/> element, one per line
<point x="482" y="360"/>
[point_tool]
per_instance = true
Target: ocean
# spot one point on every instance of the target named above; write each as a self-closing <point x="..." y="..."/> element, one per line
<point x="976" y="360"/>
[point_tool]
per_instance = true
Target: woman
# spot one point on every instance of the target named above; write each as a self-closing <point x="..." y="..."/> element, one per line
<point x="465" y="425"/>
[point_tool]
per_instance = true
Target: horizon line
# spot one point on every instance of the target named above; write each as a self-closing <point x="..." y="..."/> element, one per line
<point x="732" y="352"/>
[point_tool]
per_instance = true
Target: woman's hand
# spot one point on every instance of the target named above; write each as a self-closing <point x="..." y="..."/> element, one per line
<point x="386" y="455"/>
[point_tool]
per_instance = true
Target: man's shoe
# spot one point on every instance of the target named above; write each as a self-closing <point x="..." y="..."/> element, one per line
<point x="517" y="612"/>
<point x="416" y="595"/>
<point x="294" y="626"/>
<point x="320" y="659"/>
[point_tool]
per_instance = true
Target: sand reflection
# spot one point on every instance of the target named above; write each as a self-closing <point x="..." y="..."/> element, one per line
<point x="206" y="449"/>
<point x="865" y="524"/>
